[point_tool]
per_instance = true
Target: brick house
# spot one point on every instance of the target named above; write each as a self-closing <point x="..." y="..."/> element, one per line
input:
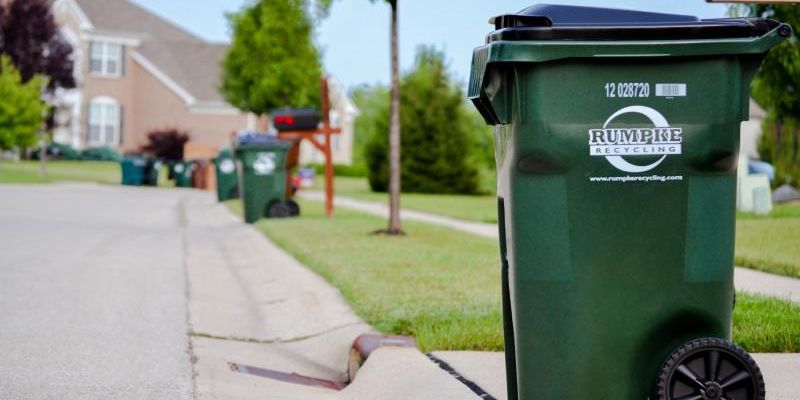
<point x="137" y="72"/>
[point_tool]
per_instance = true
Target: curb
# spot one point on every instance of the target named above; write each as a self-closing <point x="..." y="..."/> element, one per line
<point x="366" y="344"/>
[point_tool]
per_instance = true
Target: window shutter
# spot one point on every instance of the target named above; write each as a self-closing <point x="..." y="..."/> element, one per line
<point x="92" y="48"/>
<point x="121" y="124"/>
<point x="122" y="61"/>
<point x="87" y="108"/>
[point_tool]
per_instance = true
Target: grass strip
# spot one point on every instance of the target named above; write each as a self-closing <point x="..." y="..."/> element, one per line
<point x="443" y="286"/>
<point x="436" y="284"/>
<point x="60" y="171"/>
<point x="766" y="325"/>
<point x="102" y="172"/>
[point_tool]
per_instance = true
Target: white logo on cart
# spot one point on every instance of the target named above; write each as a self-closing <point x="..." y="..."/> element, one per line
<point x="227" y="166"/>
<point x="264" y="163"/>
<point x="179" y="168"/>
<point x="617" y="143"/>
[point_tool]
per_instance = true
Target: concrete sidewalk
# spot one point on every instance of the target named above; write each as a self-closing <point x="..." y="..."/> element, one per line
<point x="252" y="304"/>
<point x="487" y="370"/>
<point x="767" y="284"/>
<point x="744" y="279"/>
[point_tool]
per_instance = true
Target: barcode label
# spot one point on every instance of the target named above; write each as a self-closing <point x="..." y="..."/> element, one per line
<point x="670" y="89"/>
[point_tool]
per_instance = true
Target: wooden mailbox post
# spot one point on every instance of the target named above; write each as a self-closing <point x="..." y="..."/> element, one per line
<point x="326" y="131"/>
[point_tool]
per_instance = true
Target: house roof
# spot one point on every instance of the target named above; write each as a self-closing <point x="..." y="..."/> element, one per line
<point x="189" y="61"/>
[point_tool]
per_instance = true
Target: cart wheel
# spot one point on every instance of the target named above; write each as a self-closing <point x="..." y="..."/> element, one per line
<point x="278" y="210"/>
<point x="710" y="369"/>
<point x="294" y="208"/>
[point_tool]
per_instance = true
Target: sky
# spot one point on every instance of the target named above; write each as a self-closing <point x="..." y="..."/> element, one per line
<point x="354" y="39"/>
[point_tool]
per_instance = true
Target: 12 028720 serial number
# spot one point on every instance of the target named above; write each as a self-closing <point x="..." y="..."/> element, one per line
<point x="627" y="89"/>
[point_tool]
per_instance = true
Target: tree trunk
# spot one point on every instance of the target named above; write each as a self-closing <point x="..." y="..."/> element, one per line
<point x="394" y="132"/>
<point x="42" y="155"/>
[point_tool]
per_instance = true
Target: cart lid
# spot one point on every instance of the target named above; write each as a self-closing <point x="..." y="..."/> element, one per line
<point x="557" y="22"/>
<point x="254" y="139"/>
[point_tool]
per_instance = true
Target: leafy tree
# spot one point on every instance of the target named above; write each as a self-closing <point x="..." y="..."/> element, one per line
<point x="483" y="137"/>
<point x="32" y="40"/>
<point x="21" y="107"/>
<point x="373" y="104"/>
<point x="777" y="87"/>
<point x="272" y="61"/>
<point x="437" y="133"/>
<point x="376" y="149"/>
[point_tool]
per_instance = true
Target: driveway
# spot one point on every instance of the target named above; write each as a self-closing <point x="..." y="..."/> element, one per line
<point x="92" y="294"/>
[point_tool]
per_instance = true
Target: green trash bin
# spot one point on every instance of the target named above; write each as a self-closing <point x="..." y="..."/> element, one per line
<point x="617" y="134"/>
<point x="182" y="173"/>
<point x="226" y="176"/>
<point x="151" y="172"/>
<point x="262" y="169"/>
<point x="133" y="170"/>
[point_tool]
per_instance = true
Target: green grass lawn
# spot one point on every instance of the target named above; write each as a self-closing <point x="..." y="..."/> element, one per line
<point x="766" y="325"/>
<point x="60" y="171"/>
<point x="470" y="208"/>
<point x="767" y="243"/>
<point x="770" y="243"/>
<point x="104" y="172"/>
<point x="443" y="286"/>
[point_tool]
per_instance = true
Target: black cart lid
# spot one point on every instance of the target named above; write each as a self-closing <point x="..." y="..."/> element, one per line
<point x="557" y="22"/>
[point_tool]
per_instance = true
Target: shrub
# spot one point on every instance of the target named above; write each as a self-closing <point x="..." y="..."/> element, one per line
<point x="372" y="102"/>
<point x="166" y="144"/>
<point x="376" y="153"/>
<point x="437" y="140"/>
<point x="100" y="154"/>
<point x="58" y="151"/>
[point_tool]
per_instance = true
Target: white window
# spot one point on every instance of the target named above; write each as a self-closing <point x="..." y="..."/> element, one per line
<point x="105" y="117"/>
<point x="105" y="59"/>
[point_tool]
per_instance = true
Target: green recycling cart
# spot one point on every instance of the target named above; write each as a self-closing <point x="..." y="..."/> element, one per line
<point x="617" y="136"/>
<point x="133" y="169"/>
<point x="262" y="169"/>
<point x="182" y="173"/>
<point x="151" y="171"/>
<point x="227" y="179"/>
<point x="140" y="171"/>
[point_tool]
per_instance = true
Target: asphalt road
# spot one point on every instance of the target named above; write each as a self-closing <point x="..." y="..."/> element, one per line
<point x="92" y="294"/>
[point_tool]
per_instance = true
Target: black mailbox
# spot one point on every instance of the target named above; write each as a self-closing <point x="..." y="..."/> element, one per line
<point x="295" y="119"/>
